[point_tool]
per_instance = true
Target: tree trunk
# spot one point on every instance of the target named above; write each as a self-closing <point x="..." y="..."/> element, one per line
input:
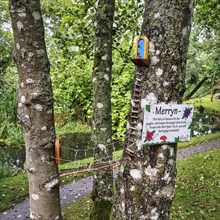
<point x="146" y="182"/>
<point x="101" y="122"/>
<point x="35" y="108"/>
<point x="214" y="88"/>
<point x="198" y="85"/>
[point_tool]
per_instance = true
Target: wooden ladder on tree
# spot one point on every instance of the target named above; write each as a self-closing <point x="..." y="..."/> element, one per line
<point x="134" y="116"/>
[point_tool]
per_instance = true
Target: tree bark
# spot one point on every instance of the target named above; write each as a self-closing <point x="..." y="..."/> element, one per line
<point x="35" y="108"/>
<point x="146" y="181"/>
<point x="101" y="121"/>
<point x="214" y="88"/>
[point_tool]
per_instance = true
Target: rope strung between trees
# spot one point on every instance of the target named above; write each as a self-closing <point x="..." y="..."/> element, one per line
<point x="98" y="164"/>
<point x="91" y="167"/>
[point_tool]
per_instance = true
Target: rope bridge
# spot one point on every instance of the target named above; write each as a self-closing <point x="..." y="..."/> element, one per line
<point x="98" y="164"/>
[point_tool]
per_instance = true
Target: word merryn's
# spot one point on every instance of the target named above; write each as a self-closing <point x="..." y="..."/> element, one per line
<point x="161" y="111"/>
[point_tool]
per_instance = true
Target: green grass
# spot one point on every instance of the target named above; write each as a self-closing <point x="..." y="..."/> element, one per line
<point x="13" y="190"/>
<point x="17" y="186"/>
<point x="198" y="187"/>
<point x="198" y="140"/>
<point x="80" y="209"/>
<point x="197" y="191"/>
<point x="213" y="107"/>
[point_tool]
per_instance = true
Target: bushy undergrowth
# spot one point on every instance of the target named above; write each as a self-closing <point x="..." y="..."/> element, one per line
<point x="9" y="128"/>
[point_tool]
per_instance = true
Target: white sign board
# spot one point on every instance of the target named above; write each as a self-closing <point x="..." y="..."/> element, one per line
<point x="167" y="123"/>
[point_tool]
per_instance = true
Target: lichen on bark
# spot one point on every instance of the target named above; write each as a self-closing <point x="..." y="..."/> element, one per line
<point x="101" y="119"/>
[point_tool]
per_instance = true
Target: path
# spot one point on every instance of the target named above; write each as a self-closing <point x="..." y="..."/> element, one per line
<point x="76" y="190"/>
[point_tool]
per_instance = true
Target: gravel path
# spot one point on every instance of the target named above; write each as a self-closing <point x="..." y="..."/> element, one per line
<point x="76" y="190"/>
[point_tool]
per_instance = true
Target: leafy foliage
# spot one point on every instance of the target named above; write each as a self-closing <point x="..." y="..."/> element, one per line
<point x="121" y="94"/>
<point x="72" y="88"/>
<point x="71" y="27"/>
<point x="207" y="15"/>
<point x="204" y="49"/>
<point x="72" y="67"/>
<point x="5" y="36"/>
<point x="9" y="128"/>
<point x="69" y="34"/>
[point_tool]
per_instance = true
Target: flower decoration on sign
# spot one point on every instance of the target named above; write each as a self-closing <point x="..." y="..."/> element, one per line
<point x="186" y="112"/>
<point x="149" y="135"/>
<point x="163" y="138"/>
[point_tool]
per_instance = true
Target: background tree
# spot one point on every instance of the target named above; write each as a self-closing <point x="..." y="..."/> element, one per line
<point x="102" y="119"/>
<point x="203" y="56"/>
<point x="35" y="108"/>
<point x="8" y="82"/>
<point x="146" y="181"/>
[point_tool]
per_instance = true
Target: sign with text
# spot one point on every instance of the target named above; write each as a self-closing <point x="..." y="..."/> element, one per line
<point x="167" y="123"/>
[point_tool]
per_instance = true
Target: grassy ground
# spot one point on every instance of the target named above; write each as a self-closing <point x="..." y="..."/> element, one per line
<point x="197" y="191"/>
<point x="15" y="189"/>
<point x="205" y="102"/>
<point x="198" y="187"/>
<point x="198" y="140"/>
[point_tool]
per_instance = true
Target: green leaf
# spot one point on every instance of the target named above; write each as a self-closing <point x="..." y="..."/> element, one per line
<point x="190" y="126"/>
<point x="148" y="108"/>
<point x="177" y="139"/>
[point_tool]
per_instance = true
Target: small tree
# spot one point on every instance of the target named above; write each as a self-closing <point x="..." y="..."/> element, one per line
<point x="101" y="121"/>
<point x="35" y="108"/>
<point x="146" y="182"/>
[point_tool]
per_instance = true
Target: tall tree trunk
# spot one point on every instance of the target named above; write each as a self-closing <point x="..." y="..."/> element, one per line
<point x="35" y="108"/>
<point x="101" y="122"/>
<point x="214" y="88"/>
<point x="145" y="186"/>
<point x="195" y="89"/>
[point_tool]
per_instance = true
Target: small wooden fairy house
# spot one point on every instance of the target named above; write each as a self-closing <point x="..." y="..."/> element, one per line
<point x="141" y="53"/>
